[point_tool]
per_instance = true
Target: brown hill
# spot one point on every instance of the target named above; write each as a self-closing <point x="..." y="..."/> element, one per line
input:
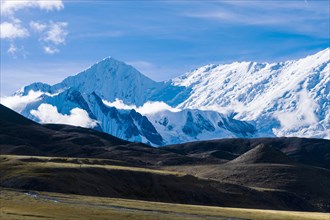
<point x="262" y="154"/>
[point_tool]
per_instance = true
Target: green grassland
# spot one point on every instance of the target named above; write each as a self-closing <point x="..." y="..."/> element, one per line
<point x="17" y="204"/>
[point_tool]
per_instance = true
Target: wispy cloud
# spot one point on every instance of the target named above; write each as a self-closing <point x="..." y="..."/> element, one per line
<point x="275" y="5"/>
<point x="56" y="33"/>
<point x="16" y="51"/>
<point x="249" y="19"/>
<point x="51" y="34"/>
<point x="299" y="16"/>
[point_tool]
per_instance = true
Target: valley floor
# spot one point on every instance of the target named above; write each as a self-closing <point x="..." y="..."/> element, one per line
<point x="19" y="204"/>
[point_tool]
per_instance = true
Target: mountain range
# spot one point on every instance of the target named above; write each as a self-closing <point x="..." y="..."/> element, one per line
<point x="242" y="99"/>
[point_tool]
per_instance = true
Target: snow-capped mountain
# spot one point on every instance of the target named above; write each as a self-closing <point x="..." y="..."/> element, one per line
<point x="110" y="78"/>
<point x="244" y="99"/>
<point x="290" y="98"/>
<point x="160" y="127"/>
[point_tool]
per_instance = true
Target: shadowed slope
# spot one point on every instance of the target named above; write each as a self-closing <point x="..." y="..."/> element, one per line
<point x="8" y="116"/>
<point x="309" y="151"/>
<point x="267" y="169"/>
<point x="134" y="183"/>
<point x="19" y="135"/>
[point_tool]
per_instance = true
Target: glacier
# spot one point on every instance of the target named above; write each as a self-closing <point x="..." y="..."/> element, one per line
<point x="241" y="99"/>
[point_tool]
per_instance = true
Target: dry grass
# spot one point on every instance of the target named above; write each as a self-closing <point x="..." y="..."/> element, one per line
<point x="37" y="205"/>
<point x="50" y="162"/>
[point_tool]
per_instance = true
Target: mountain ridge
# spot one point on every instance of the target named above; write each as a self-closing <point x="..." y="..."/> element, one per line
<point x="241" y="99"/>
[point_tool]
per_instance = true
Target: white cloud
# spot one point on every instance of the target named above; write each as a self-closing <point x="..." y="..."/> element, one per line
<point x="8" y="7"/>
<point x="51" y="50"/>
<point x="147" y="108"/>
<point x="36" y="26"/>
<point x="18" y="102"/>
<point x="154" y="107"/>
<point x="49" y="114"/>
<point x="119" y="104"/>
<point x="13" y="30"/>
<point x="56" y="33"/>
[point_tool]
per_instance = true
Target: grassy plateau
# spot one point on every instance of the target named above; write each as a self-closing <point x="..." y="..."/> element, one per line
<point x="19" y="204"/>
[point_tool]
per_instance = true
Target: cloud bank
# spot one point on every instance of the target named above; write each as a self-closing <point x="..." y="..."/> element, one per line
<point x="18" y="102"/>
<point x="147" y="108"/>
<point x="49" y="114"/>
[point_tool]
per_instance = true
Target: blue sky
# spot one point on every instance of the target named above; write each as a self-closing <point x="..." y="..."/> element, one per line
<point x="49" y="40"/>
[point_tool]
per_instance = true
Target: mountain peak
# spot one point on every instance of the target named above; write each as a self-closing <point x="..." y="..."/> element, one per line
<point x="37" y="86"/>
<point x="111" y="79"/>
<point x="112" y="61"/>
<point x="110" y="65"/>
